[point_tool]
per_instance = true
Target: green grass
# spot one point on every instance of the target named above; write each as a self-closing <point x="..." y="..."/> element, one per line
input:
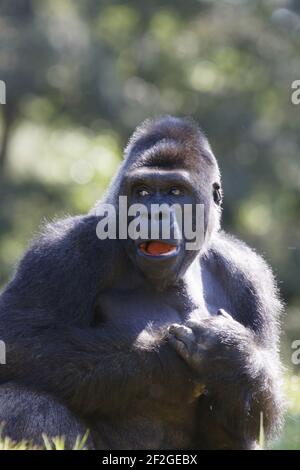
<point x="290" y="438"/>
<point x="58" y="443"/>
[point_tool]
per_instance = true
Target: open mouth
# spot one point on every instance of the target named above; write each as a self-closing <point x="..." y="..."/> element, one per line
<point x="154" y="248"/>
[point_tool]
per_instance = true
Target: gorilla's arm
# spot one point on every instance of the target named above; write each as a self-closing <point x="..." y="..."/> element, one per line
<point x="235" y="355"/>
<point x="45" y="320"/>
<point x="87" y="369"/>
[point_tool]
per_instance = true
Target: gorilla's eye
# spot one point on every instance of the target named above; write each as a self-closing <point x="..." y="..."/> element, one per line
<point x="142" y="192"/>
<point x="217" y="193"/>
<point x="175" y="191"/>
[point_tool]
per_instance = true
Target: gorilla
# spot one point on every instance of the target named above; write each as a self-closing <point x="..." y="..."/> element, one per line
<point x="145" y="343"/>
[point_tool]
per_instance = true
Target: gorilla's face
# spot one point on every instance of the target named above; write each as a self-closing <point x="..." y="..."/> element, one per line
<point x="169" y="162"/>
<point x="172" y="230"/>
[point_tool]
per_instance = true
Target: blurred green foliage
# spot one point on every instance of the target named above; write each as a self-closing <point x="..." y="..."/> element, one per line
<point x="291" y="434"/>
<point x="81" y="75"/>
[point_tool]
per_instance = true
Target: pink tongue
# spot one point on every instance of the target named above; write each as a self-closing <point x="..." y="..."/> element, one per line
<point x="158" y="248"/>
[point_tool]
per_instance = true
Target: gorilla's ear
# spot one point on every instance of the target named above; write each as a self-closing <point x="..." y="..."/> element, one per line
<point x="217" y="194"/>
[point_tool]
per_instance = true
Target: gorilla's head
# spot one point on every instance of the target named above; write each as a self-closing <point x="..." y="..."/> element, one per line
<point x="169" y="162"/>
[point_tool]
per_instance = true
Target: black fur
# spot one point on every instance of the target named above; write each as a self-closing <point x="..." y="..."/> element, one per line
<point x="93" y="343"/>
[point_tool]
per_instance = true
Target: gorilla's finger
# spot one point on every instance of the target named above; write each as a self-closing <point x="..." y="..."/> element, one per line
<point x="180" y="347"/>
<point x="181" y="331"/>
<point x="223" y="313"/>
<point x="196" y="326"/>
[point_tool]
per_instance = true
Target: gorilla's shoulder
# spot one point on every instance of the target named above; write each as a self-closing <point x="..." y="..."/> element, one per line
<point x="70" y="236"/>
<point x="237" y="255"/>
<point x="246" y="272"/>
<point x="68" y="228"/>
<point x="66" y="256"/>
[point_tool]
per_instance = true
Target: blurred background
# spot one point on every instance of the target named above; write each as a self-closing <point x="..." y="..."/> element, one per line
<point x="81" y="75"/>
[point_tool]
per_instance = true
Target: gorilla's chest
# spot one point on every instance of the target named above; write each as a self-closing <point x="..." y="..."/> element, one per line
<point x="136" y="309"/>
<point x="164" y="416"/>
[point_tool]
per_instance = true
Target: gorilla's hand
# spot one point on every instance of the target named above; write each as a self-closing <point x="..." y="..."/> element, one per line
<point x="213" y="347"/>
<point x="220" y="350"/>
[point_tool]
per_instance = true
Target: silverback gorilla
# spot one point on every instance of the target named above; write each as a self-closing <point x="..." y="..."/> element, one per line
<point x="143" y="342"/>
